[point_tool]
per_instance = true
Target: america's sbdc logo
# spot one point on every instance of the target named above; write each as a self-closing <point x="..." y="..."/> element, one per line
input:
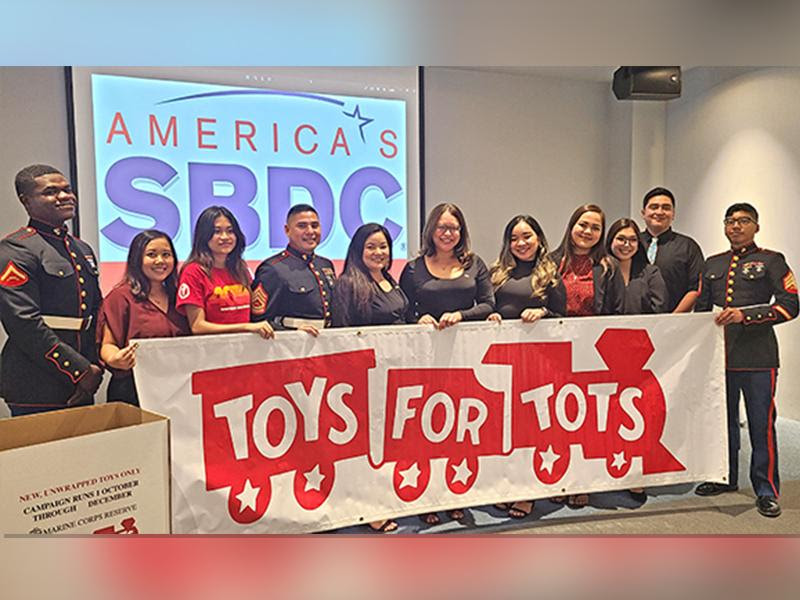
<point x="167" y="150"/>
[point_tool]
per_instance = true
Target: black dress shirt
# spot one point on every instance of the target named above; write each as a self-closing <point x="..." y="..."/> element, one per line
<point x="680" y="260"/>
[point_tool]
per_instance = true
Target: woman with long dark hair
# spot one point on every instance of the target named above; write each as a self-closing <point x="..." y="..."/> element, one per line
<point x="214" y="290"/>
<point x="525" y="279"/>
<point x="527" y="286"/>
<point x="447" y="283"/>
<point x="645" y="290"/>
<point x="367" y="294"/>
<point x="142" y="305"/>
<point x="591" y="278"/>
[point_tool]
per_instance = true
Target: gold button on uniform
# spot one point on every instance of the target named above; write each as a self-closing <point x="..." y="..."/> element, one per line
<point x="83" y="306"/>
<point x="729" y="299"/>
<point x="76" y="373"/>
<point x="55" y="355"/>
<point x="83" y="293"/>
<point x="66" y="363"/>
<point x="78" y="267"/>
<point x="73" y="255"/>
<point x="81" y="280"/>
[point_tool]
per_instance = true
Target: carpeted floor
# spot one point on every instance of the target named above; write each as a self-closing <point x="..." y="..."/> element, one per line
<point x="668" y="510"/>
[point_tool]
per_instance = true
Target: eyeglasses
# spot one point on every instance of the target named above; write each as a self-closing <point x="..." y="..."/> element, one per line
<point x="731" y="221"/>
<point x="448" y="228"/>
<point x="625" y="241"/>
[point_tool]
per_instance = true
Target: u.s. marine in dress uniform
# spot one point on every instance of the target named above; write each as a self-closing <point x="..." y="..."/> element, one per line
<point x="293" y="289"/>
<point x="49" y="298"/>
<point x="756" y="289"/>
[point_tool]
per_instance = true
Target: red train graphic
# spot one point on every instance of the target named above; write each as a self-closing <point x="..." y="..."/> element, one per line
<point x="300" y="415"/>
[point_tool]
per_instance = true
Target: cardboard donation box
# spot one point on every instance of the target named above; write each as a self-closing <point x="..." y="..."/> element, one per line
<point x="94" y="469"/>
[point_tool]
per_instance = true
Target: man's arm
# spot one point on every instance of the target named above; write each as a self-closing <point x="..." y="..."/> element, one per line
<point x="268" y="288"/>
<point x="695" y="271"/>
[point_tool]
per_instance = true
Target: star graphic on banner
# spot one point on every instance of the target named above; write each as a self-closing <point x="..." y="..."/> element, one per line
<point x="314" y="479"/>
<point x="356" y="114"/>
<point x="410" y="476"/>
<point x="462" y="472"/>
<point x="549" y="458"/>
<point x="619" y="460"/>
<point x="247" y="497"/>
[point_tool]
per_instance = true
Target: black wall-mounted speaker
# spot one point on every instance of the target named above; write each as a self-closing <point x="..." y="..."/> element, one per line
<point x="647" y="83"/>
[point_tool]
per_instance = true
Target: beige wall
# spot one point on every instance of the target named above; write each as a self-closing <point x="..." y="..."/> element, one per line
<point x="734" y="136"/>
<point x="499" y="144"/>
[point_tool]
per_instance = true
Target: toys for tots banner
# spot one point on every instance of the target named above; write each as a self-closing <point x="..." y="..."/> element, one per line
<point x="303" y="434"/>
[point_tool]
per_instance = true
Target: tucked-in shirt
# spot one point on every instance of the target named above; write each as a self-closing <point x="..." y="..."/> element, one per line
<point x="579" y="283"/>
<point x="470" y="293"/>
<point x="680" y="260"/>
<point x="516" y="294"/>
<point x="220" y="295"/>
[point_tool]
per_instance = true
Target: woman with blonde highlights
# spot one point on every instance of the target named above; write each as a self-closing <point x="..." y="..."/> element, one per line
<point x="525" y="279"/>
<point x="526" y="286"/>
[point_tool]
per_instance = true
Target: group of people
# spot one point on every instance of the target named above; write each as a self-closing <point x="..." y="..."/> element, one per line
<point x="62" y="333"/>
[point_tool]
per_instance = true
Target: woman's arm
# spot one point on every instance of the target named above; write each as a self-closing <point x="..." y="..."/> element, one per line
<point x="557" y="299"/>
<point x="112" y="355"/>
<point x="196" y="316"/>
<point x="484" y="294"/>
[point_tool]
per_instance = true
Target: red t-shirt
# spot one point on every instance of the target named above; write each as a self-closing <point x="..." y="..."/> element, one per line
<point x="223" y="299"/>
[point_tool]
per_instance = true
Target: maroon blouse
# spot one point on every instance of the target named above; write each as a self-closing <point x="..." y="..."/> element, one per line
<point x="128" y="318"/>
<point x="579" y="283"/>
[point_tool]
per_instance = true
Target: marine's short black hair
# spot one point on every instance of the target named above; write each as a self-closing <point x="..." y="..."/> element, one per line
<point x="743" y="207"/>
<point x="298" y="208"/>
<point x="24" y="180"/>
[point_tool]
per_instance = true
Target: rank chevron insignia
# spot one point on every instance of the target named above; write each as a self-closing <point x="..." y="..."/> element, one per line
<point x="258" y="304"/>
<point x="789" y="283"/>
<point x="13" y="276"/>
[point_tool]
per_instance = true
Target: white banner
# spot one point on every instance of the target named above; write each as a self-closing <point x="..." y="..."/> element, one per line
<point x="302" y="434"/>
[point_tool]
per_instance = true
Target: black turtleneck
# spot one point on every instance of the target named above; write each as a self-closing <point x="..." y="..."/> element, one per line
<point x="516" y="294"/>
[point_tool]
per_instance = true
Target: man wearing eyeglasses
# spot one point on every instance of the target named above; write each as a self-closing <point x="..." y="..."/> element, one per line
<point x="756" y="290"/>
<point x="49" y="298"/>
